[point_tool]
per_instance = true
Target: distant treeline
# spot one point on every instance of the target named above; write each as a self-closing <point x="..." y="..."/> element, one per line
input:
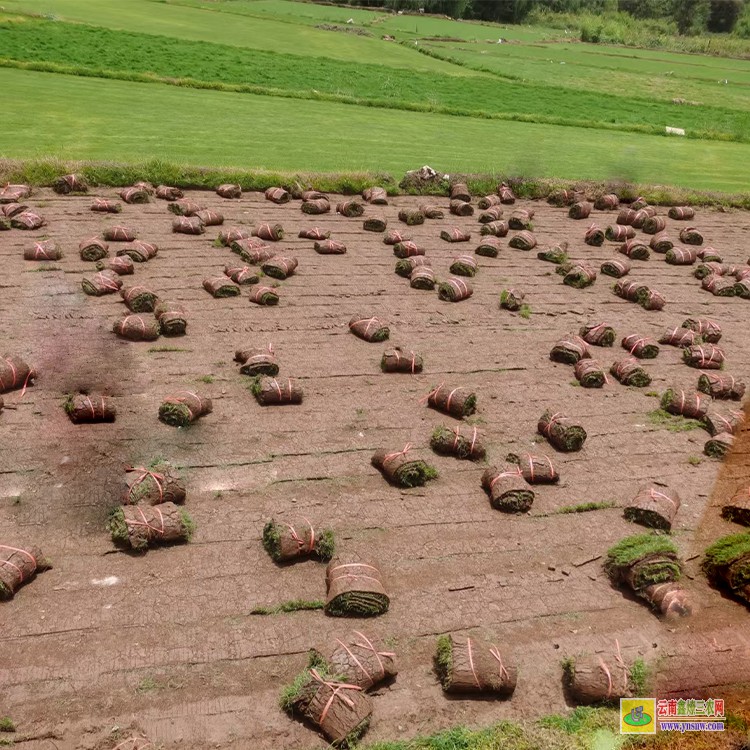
<point x="689" y="16"/>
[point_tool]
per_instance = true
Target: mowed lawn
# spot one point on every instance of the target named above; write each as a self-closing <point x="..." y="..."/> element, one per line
<point x="89" y="119"/>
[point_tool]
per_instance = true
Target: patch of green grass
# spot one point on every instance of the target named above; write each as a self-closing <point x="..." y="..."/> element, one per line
<point x="639" y="678"/>
<point x="160" y="349"/>
<point x="671" y="422"/>
<point x="583" y="718"/>
<point x="586" y="507"/>
<point x="206" y="379"/>
<point x="295" y="605"/>
<point x="7" y="724"/>
<point x="653" y="394"/>
<point x="525" y="311"/>
<point x="695" y="460"/>
<point x="147" y="685"/>
<point x="637" y="547"/>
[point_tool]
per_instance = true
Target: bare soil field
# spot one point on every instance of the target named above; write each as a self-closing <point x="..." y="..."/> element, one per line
<point x="163" y="643"/>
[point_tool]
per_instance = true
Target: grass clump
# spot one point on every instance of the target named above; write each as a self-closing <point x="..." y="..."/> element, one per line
<point x="525" y="312"/>
<point x="639" y="678"/>
<point x="160" y="349"/>
<point x="444" y="660"/>
<point x="586" y="507"/>
<point x="695" y="460"/>
<point x="294" y="605"/>
<point x="323" y="549"/>
<point x="206" y="379"/>
<point x="672" y="422"/>
<point x="7" y="724"/>
<point x="176" y="415"/>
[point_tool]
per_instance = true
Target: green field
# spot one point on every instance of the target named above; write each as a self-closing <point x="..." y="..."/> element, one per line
<point x="74" y="71"/>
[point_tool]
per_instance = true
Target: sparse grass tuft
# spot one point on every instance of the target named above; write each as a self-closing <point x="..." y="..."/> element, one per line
<point x="295" y="605"/>
<point x="206" y="379"/>
<point x="525" y="312"/>
<point x="639" y="678"/>
<point x="147" y="685"/>
<point x="695" y="460"/>
<point x="671" y="422"/>
<point x="586" y="507"/>
<point x="444" y="660"/>
<point x="159" y="349"/>
<point x="7" y="724"/>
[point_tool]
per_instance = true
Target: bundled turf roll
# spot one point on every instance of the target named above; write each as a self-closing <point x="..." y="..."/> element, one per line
<point x="139" y="527"/>
<point x="375" y="195"/>
<point x="454" y="290"/>
<point x="629" y="290"/>
<point x="709" y="330"/>
<point x="563" y="433"/>
<point x="681" y="256"/>
<point x="264" y="295"/>
<point x="457" y="402"/>
<point x="210" y="218"/>
<point x="354" y="589"/>
<point x="535" y="469"/>
<point x="422" y="277"/>
<point x="506" y="194"/>
<point x="118" y="234"/>
<point x="19" y="565"/>
<point x="494" y="229"/>
<point x="232" y="234"/>
<point x="167" y="193"/>
<point x="626" y="216"/>
<point x="405" y="266"/>
<point x="681" y="213"/>
<point x="654" y="225"/>
<point x="15" y="373"/>
<point x="188" y="225"/>
<point x="14" y="193"/>
<point x="315" y="233"/>
<point x="629" y="372"/>
<point x="738" y="508"/>
<point x="93" y="249"/>
<point x="635" y="249"/>
<point x="257" y="361"/>
<point x="594" y="236"/>
<point x="277" y="195"/>
<point x="428" y="211"/>
<point x="269" y="392"/>
<point x="580" y="275"/>
<point x="350" y="208"/>
<point x="557" y="253"/>
<point x="460" y="192"/>
<point x="691" y="236"/>
<point x="461" y="208"/>
<point x="711" y="268"/>
<point x="316" y="207"/>
<point x="598" y="334"/>
<point x="684" y="404"/>
<point x="742" y="288"/>
<point x="160" y="482"/>
<point x="717" y="423"/>
<point x="70" y="183"/>
<point x="489" y="247"/>
<point x="401" y="469"/>
<point x="44" y="250"/>
<point x="455" y="234"/>
<point x="8" y="210"/>
<point x="562" y="198"/>
<point x="473" y="666"/>
<point x="608" y="202"/>
<point x="307" y="195"/>
<point x="122" y="265"/>
<point x="269" y="232"/>
<point x="330" y="247"/>
<point x="396" y="360"/>
<point x="139" y="299"/>
<point x="570" y="350"/>
<point x="709" y="254"/>
<point x="580" y="210"/>
<point x="642" y="216"/>
<point x="721" y="386"/>
<point x="134" y="195"/>
<point x="727" y="563"/>
<point x="101" y="205"/>
<point x="279" y="267"/>
<point x="679" y="337"/>
<point x="489" y="201"/>
<point x="284" y="542"/>
<point x="139" y="251"/>
<point x="221" y="286"/>
<point x="362" y="661"/>
<point x="29" y="220"/>
<point x="619" y="233"/>
<point x="137" y="328"/>
<point x="252" y="251"/>
<point x="507" y="490"/>
<point x="521" y="219"/>
<point x="650" y="299"/>
<point x="184" y="408"/>
<point x="707" y="357"/>
<point x="523" y="241"/>
<point x="512" y="299"/>
<point x="82" y="409"/>
<point x="601" y="678"/>
<point x="464" y="265"/>
<point x="660" y="243"/>
<point x="375" y="224"/>
<point x="172" y="319"/>
<point x="369" y="329"/>
<point x="393" y="237"/>
<point x="719" y="445"/>
<point x="185" y="208"/>
<point x="104" y="282"/>
<point x="643" y="560"/>
<point x="617" y="267"/>
<point x="453" y="443"/>
<point x="642" y="347"/>
<point x="655" y="507"/>
<point x="228" y="190"/>
<point x="242" y="274"/>
<point x="589" y="373"/>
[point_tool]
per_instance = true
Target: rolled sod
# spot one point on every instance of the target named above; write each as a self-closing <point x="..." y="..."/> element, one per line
<point x="82" y="409"/>
<point x="8" y="210"/>
<point x="719" y="445"/>
<point x="679" y="337"/>
<point x="608" y="202"/>
<point x="93" y="249"/>
<point x="721" y="386"/>
<point x="375" y="224"/>
<point x="460" y="192"/>
<point x="708" y="254"/>
<point x="617" y="267"/>
<point x="643" y="560"/>
<point x="562" y="198"/>
<point x="727" y="563"/>
<point x="685" y="404"/>
<point x="263" y="295"/>
<point x="598" y="334"/>
<point x="188" y="225"/>
<point x="660" y="243"/>
<point x="507" y="490"/>
<point x="286" y="541"/>
<point x="134" y="195"/>
<point x="495" y="229"/>
<point x="172" y="319"/>
<point x="635" y="249"/>
<point x="619" y="233"/>
<point x="710" y="268"/>
<point x="557" y="253"/>
<point x="70" y="183"/>
<point x="350" y="208"/>
<point x="407" y="249"/>
<point x="461" y="208"/>
<point x="716" y="423"/>
<point x="535" y="469"/>
<point x="277" y="195"/>
<point x="594" y="236"/>
<point x="411" y="217"/>
<point x="354" y="589"/>
<point x="159" y="482"/>
<point x="454" y="290"/>
<point x="642" y="216"/>
<point x="709" y="330"/>
<point x="706" y="357"/>
<point x="103" y="206"/>
<point x="655" y="507"/>
<point x="19" y="565"/>
<point x="626" y="216"/>
<point x="681" y="213"/>
<point x="455" y="234"/>
<point x="183" y="207"/>
<point x="628" y="371"/>
<point x="232" y="191"/>
<point x="139" y="527"/>
<point x="43" y="250"/>
<point x="488" y="201"/>
<point x="401" y="469"/>
<point x="122" y="265"/>
<point x="422" y="277"/>
<point x="601" y="678"/>
<point x="494" y="213"/>
<point x="506" y="194"/>
<point x="719" y="286"/>
<point x="398" y="360"/>
<point x="168" y="193"/>
<point x="13" y="193"/>
<point x="184" y="408"/>
<point x="330" y="247"/>
<point x="405" y="266"/>
<point x="375" y="195"/>
<point x="642" y="347"/>
<point x="629" y="290"/>
<point x="472" y="666"/>
<point x="5" y="224"/>
<point x="257" y="361"/>
<point x="742" y="288"/>
<point x="428" y="211"/>
<point x="139" y="251"/>
<point x="307" y="195"/>
<point x="271" y="392"/>
<point x="570" y="350"/>
<point x="242" y="274"/>
<point x="369" y="329"/>
<point x="580" y="210"/>
<point x="28" y="220"/>
<point x="269" y="232"/>
<point x="564" y="434"/>
<point x="521" y="219"/>
<point x="137" y="328"/>
<point x="453" y="442"/>
<point x="464" y="265"/>
<point x="489" y="247"/>
<point x="650" y="299"/>
<point x="393" y="237"/>
<point x="210" y="218"/>
<point x="456" y="402"/>
<point x="738" y="508"/>
<point x="138" y="299"/>
<point x="316" y="207"/>
<point x="361" y="660"/>
<point x="104" y="282"/>
<point x="589" y="373"/>
<point x="681" y="256"/>
<point x="512" y="299"/>
<point x="314" y="233"/>
<point x="279" y="267"/>
<point x="523" y="241"/>
<point x="654" y="225"/>
<point x="221" y="286"/>
<point x="691" y="236"/>
<point x="580" y="276"/>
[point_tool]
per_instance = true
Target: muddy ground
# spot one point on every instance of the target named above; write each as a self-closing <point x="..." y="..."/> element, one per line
<point x="164" y="643"/>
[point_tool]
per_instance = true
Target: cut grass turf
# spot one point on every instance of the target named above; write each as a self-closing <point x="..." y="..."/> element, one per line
<point x="295" y="605"/>
<point x="672" y="422"/>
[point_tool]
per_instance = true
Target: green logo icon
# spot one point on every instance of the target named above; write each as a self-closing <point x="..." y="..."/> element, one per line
<point x="637" y="717"/>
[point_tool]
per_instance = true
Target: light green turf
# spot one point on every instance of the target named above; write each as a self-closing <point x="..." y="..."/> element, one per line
<point x="116" y="120"/>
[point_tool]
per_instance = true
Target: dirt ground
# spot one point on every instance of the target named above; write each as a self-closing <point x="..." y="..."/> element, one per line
<point x="164" y="643"/>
